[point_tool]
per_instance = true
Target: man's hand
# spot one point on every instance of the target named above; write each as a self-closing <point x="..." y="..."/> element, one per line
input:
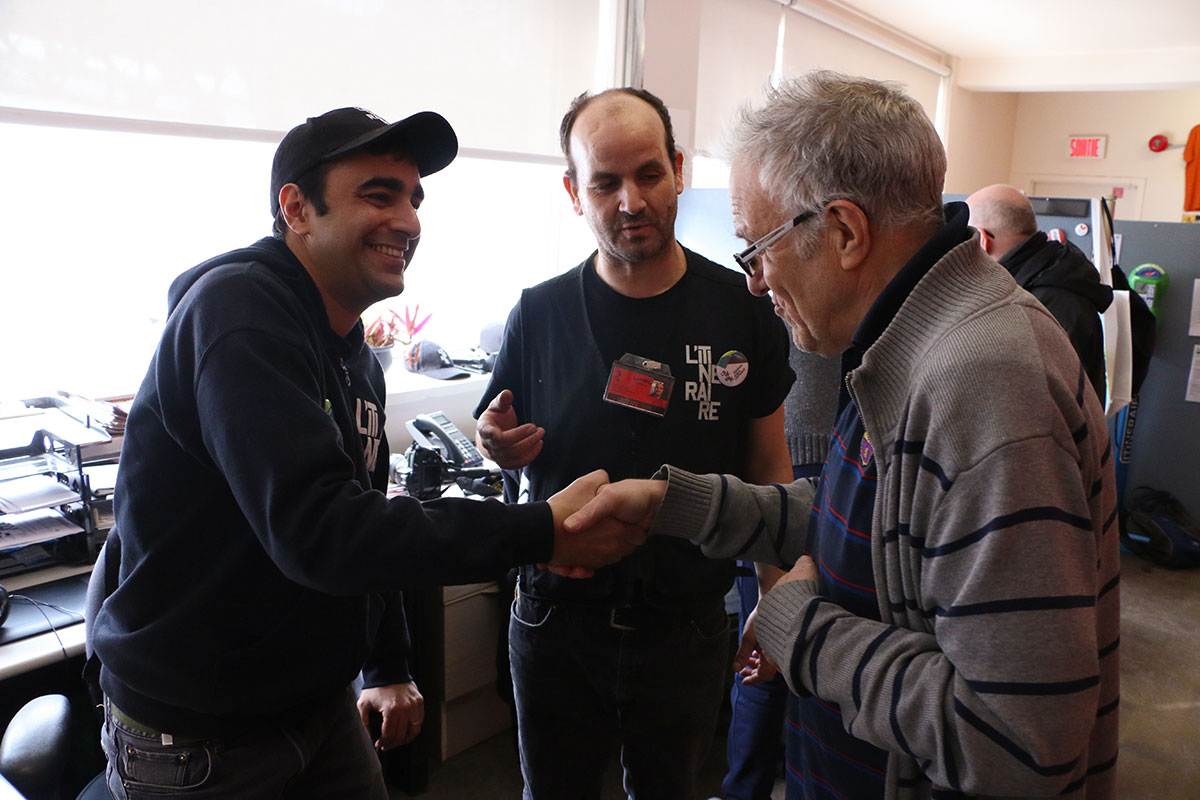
<point x="803" y="570"/>
<point x="579" y="549"/>
<point x="633" y="502"/>
<point x="402" y="708"/>
<point x="751" y="662"/>
<point x="501" y="439"/>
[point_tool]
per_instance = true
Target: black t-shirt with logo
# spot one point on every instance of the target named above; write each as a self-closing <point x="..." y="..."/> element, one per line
<point x="728" y="354"/>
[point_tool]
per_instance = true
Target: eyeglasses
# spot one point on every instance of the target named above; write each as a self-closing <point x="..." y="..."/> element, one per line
<point x="747" y="259"/>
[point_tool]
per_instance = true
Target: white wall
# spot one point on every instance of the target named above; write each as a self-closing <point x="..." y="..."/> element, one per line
<point x="991" y="137"/>
<point x="1044" y="121"/>
<point x="979" y="139"/>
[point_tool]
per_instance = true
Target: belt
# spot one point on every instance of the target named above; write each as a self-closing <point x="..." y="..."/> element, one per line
<point x="142" y="728"/>
<point x="633" y="618"/>
<point x="628" y="618"/>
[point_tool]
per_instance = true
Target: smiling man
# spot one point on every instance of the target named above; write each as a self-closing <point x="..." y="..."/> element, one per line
<point x="260" y="561"/>
<point x="951" y="619"/>
<point x="643" y="353"/>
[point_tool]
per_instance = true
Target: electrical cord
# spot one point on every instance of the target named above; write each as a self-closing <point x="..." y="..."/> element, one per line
<point x="41" y="606"/>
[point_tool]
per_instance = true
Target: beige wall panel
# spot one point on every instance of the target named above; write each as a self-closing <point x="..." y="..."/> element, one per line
<point x="979" y="144"/>
<point x="1044" y="122"/>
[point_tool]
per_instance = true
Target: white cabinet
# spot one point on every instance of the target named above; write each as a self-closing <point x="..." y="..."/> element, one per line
<point x="471" y="711"/>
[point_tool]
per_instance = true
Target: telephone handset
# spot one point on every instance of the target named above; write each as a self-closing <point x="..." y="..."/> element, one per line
<point x="436" y="432"/>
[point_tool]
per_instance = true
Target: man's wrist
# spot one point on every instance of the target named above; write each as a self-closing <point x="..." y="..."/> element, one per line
<point x="684" y="510"/>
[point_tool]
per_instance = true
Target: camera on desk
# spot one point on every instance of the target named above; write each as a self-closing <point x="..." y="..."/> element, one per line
<point x="439" y="457"/>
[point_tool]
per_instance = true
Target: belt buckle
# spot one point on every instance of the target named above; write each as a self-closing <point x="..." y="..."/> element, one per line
<point x="613" y="623"/>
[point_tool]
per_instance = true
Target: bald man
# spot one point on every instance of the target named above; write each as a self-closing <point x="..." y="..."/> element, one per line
<point x="644" y="353"/>
<point x="1057" y="273"/>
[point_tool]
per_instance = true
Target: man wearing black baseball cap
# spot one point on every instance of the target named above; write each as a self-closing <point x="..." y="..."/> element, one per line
<point x="260" y="564"/>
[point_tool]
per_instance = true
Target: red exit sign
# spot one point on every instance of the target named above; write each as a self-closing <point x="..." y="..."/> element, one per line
<point x="1086" y="146"/>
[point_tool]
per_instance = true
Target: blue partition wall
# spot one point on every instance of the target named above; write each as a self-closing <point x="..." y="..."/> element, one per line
<point x="1166" y="437"/>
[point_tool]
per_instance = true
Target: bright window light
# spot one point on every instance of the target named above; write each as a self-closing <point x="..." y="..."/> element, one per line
<point x="98" y="224"/>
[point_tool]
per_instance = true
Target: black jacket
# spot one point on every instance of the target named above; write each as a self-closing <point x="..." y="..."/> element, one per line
<point x="1060" y="276"/>
<point x="253" y="541"/>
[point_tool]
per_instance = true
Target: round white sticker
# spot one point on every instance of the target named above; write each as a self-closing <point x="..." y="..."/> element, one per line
<point x="732" y="368"/>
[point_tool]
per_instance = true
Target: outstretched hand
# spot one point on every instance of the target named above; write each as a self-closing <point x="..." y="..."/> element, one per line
<point x="629" y="504"/>
<point x="578" y="549"/>
<point x="632" y="502"/>
<point x="501" y="439"/>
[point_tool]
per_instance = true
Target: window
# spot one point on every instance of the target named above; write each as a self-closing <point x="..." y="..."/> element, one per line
<point x="104" y="221"/>
<point x="131" y="152"/>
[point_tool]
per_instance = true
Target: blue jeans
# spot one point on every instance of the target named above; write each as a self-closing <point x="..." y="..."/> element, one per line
<point x="586" y="691"/>
<point x="754" y="744"/>
<point x="319" y="751"/>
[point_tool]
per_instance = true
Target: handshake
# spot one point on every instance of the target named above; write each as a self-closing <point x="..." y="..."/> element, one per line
<point x="597" y="523"/>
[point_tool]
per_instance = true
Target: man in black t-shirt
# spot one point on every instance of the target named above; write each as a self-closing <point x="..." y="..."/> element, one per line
<point x="644" y="353"/>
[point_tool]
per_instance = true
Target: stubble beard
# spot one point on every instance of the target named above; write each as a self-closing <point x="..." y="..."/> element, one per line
<point x="633" y="252"/>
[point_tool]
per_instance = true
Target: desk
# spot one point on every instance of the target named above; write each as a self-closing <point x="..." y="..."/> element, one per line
<point x="8" y="791"/>
<point x="43" y="649"/>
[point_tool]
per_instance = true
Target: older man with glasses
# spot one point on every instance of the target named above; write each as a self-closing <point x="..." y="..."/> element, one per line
<point x="951" y="617"/>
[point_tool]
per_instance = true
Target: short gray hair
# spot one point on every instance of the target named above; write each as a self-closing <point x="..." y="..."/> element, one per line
<point x="825" y="135"/>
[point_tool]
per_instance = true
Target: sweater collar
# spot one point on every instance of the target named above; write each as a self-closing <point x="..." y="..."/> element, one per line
<point x="953" y="233"/>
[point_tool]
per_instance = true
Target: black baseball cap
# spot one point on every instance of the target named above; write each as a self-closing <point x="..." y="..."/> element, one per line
<point x="426" y="137"/>
<point x="427" y="358"/>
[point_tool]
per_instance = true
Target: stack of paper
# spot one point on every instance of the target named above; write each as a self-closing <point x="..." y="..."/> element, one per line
<point x="18" y="530"/>
<point x="95" y="413"/>
<point x="35" y="491"/>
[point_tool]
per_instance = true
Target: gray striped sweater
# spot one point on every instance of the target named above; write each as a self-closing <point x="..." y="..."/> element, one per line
<point x="994" y="544"/>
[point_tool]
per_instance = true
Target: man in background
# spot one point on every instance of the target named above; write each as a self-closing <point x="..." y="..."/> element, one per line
<point x="645" y="352"/>
<point x="258" y="552"/>
<point x="951" y="621"/>
<point x="1056" y="273"/>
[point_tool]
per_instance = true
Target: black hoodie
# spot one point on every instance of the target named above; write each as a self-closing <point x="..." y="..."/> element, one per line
<point x="252" y="539"/>
<point x="1060" y="276"/>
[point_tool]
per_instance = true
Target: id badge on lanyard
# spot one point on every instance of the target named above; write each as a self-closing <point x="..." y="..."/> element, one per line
<point x="640" y="383"/>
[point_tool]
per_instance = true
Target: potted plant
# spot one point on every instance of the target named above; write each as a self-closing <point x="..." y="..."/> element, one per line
<point x="389" y="329"/>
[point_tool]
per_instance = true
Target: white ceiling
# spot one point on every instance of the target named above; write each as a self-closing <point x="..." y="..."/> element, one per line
<point x="1054" y="45"/>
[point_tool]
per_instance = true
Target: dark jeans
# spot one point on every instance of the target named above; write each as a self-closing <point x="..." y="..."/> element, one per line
<point x="754" y="745"/>
<point x="586" y="691"/>
<point x="321" y="751"/>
